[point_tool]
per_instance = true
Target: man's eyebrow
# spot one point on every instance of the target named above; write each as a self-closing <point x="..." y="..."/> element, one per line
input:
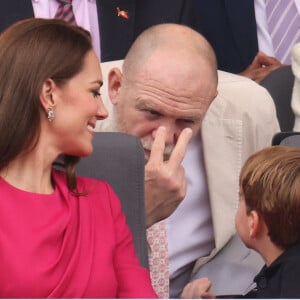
<point x="141" y="103"/>
<point x="144" y="105"/>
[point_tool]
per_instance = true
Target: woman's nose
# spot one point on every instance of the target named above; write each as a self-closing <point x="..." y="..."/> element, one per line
<point x="102" y="112"/>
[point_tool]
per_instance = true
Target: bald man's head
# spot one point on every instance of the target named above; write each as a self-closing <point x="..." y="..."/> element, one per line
<point x="177" y="42"/>
<point x="169" y="79"/>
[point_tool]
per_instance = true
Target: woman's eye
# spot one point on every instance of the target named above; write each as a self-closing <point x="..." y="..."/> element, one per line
<point x="96" y="94"/>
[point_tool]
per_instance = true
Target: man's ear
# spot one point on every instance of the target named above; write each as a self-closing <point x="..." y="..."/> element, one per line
<point x="256" y="224"/>
<point x="46" y="96"/>
<point x="114" y="85"/>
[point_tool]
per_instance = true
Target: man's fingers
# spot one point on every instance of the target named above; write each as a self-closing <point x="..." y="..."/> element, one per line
<point x="179" y="150"/>
<point x="158" y="146"/>
<point x="261" y="73"/>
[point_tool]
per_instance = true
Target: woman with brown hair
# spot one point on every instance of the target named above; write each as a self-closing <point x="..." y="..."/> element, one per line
<point x="61" y="236"/>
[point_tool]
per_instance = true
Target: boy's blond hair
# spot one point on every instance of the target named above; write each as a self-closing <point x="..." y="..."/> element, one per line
<point x="270" y="183"/>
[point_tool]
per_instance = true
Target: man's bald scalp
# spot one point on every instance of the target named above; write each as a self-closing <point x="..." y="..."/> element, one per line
<point x="169" y="37"/>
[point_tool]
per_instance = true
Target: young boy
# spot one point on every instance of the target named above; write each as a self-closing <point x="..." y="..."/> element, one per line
<point x="268" y="221"/>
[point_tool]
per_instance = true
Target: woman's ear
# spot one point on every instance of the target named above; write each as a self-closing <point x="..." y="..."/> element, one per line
<point x="114" y="85"/>
<point x="46" y="96"/>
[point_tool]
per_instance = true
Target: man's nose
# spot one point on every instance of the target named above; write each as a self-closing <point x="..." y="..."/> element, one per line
<point x="172" y="134"/>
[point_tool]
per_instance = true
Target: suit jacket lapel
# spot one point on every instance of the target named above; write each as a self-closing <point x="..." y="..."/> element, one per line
<point x="222" y="147"/>
<point x="116" y="31"/>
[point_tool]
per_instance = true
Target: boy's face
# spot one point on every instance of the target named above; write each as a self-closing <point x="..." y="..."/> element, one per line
<point x="241" y="221"/>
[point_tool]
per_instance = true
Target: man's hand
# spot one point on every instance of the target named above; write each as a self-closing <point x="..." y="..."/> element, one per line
<point x="261" y="66"/>
<point x="165" y="182"/>
<point x="197" y="289"/>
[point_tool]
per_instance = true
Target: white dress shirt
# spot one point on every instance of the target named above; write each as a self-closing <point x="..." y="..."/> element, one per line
<point x="85" y="12"/>
<point x="189" y="228"/>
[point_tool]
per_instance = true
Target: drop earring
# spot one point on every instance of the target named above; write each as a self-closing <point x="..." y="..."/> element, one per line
<point x="51" y="114"/>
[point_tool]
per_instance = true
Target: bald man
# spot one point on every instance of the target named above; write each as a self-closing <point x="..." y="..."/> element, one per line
<point x="195" y="143"/>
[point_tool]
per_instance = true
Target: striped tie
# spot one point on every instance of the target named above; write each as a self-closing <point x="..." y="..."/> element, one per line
<point x="284" y="27"/>
<point x="65" y="11"/>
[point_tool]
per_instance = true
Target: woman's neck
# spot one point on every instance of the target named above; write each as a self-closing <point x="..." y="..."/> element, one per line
<point x="29" y="174"/>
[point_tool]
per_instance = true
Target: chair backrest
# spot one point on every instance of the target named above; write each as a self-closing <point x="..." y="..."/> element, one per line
<point x="118" y="158"/>
<point x="289" y="138"/>
<point x="279" y="84"/>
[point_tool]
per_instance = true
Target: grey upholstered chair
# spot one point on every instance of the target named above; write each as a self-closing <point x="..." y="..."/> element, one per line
<point x="289" y="138"/>
<point x="279" y="84"/>
<point x="119" y="159"/>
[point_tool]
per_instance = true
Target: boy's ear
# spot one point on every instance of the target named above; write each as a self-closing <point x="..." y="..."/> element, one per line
<point x="114" y="84"/>
<point x="46" y="96"/>
<point x="255" y="224"/>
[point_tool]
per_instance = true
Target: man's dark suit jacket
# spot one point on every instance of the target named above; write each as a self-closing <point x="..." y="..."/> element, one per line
<point x="230" y="27"/>
<point x="116" y="33"/>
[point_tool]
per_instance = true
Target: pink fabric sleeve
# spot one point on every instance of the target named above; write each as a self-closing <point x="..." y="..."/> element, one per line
<point x="134" y="280"/>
